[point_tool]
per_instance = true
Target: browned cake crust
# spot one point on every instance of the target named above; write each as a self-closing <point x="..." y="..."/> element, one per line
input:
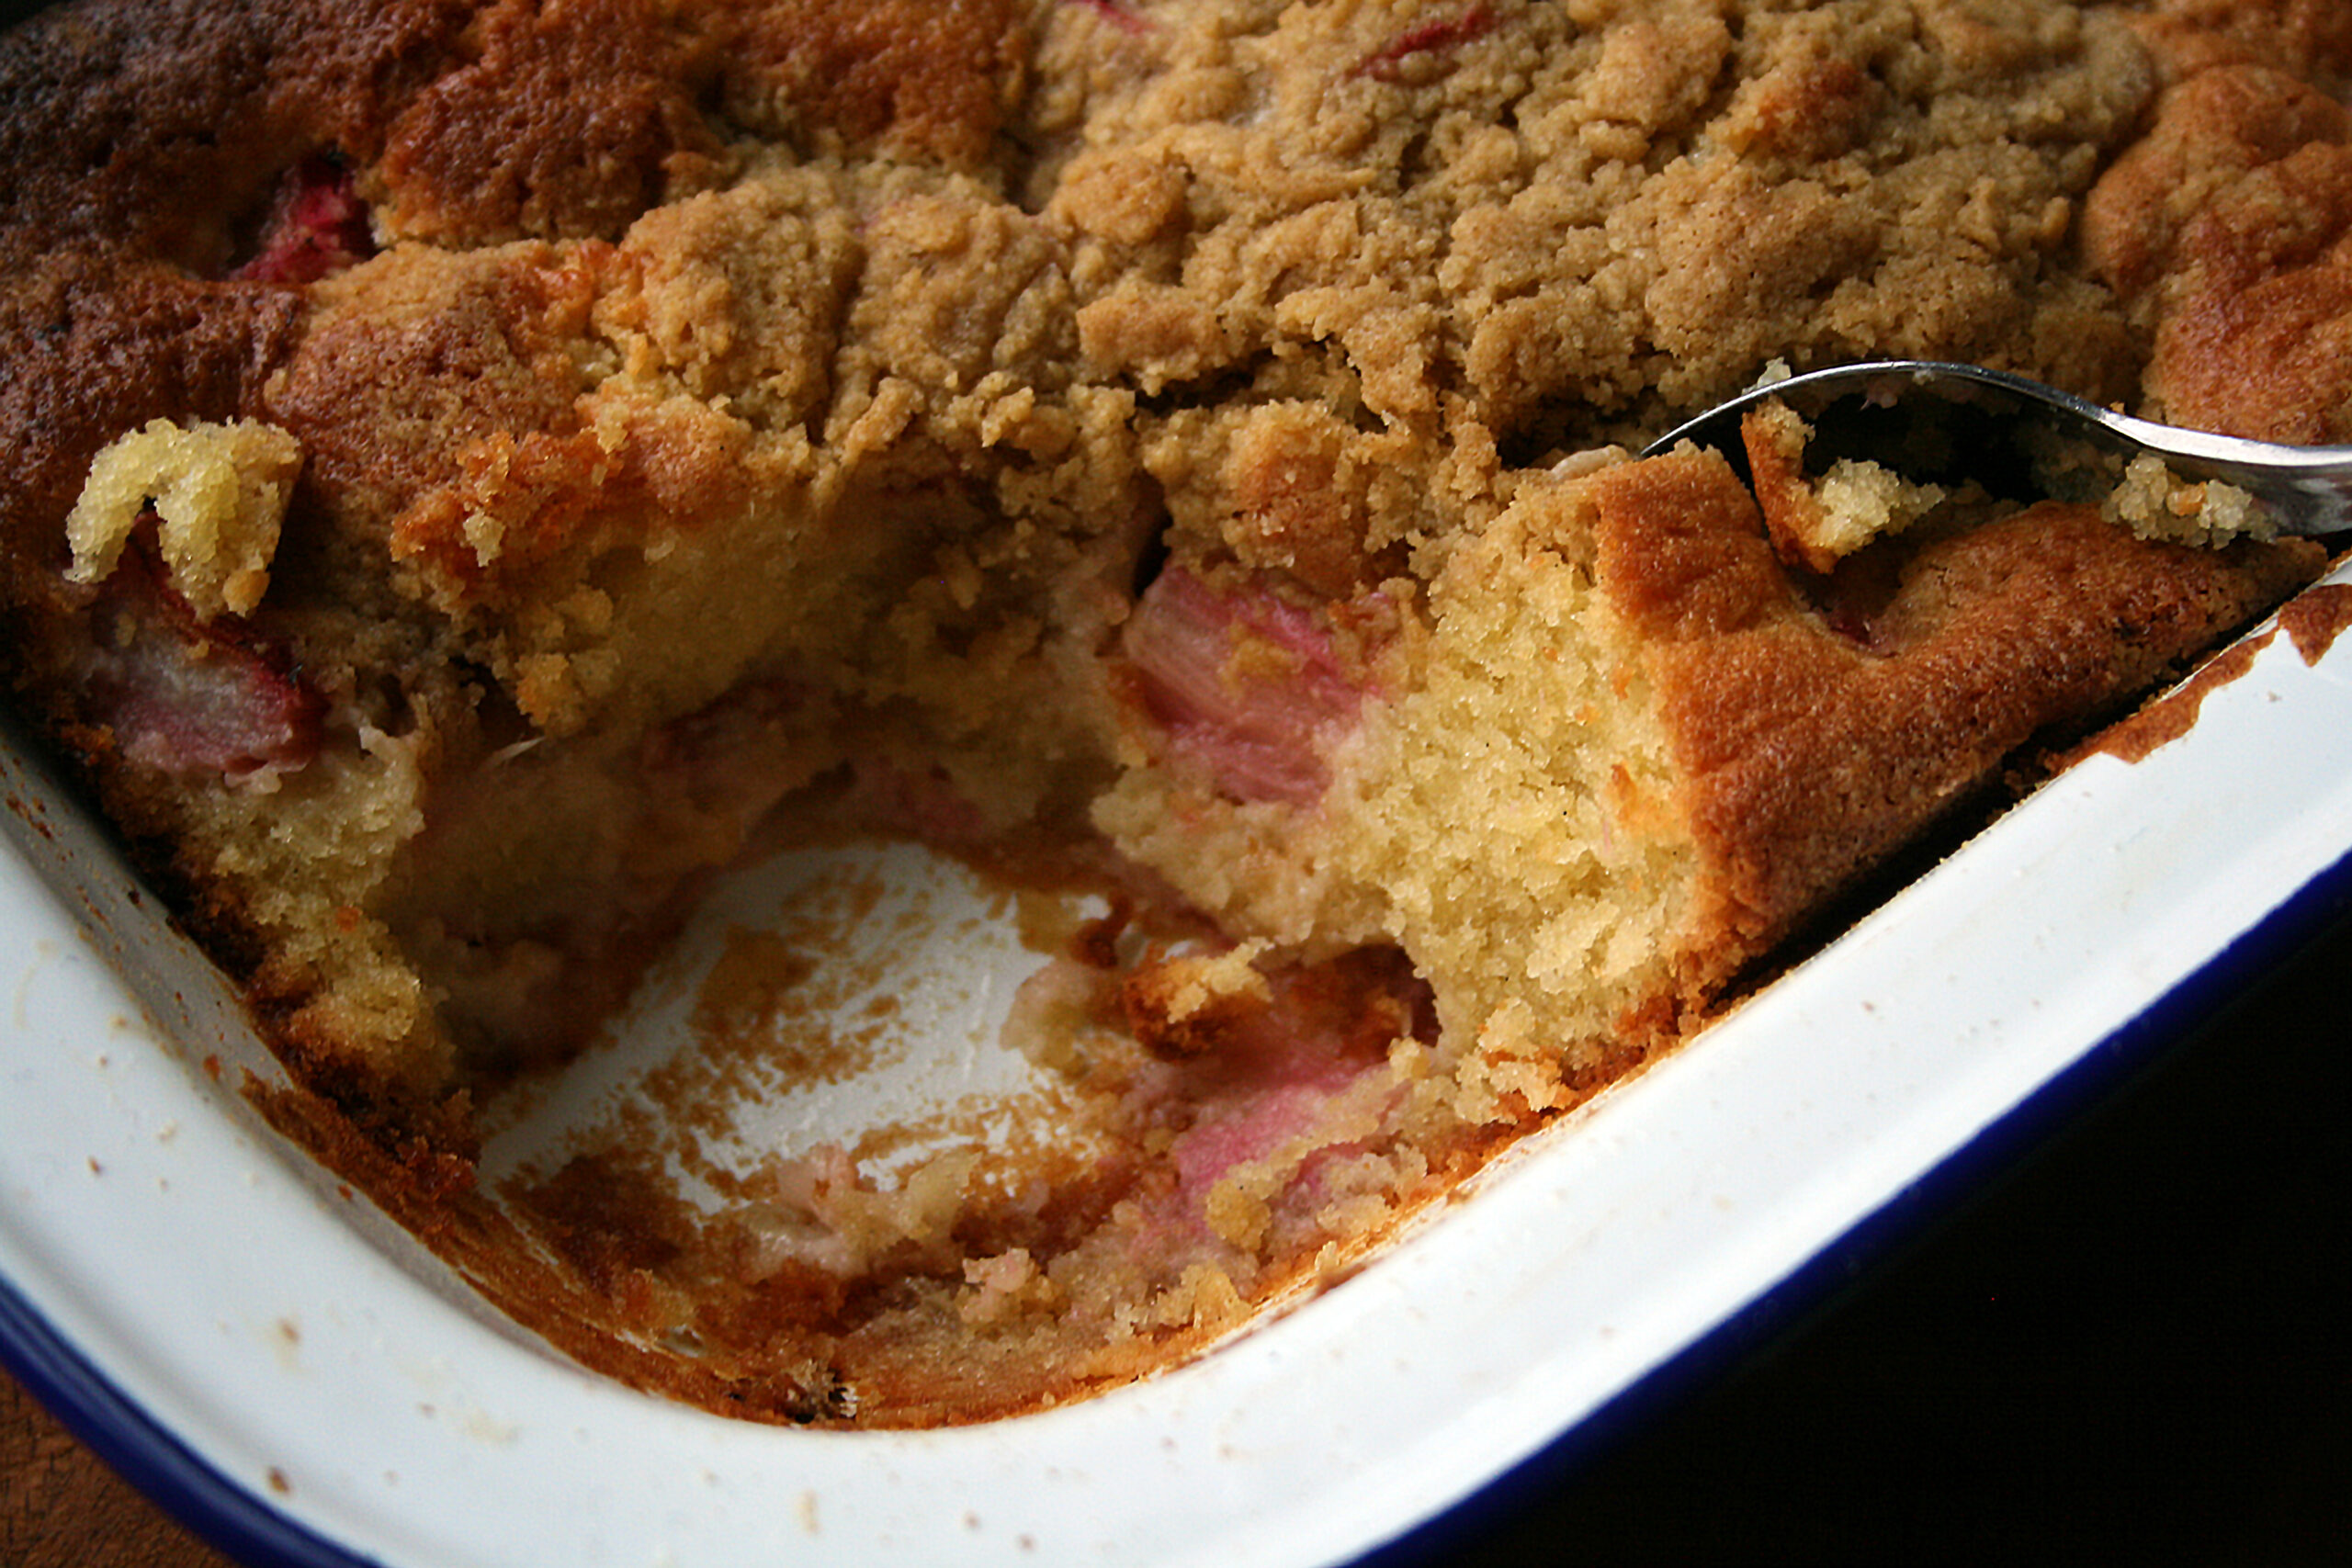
<point x="1813" y="745"/>
<point x="485" y="468"/>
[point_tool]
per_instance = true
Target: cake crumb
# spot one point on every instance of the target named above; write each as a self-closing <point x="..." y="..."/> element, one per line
<point x="219" y="494"/>
<point x="2157" y="503"/>
<point x="1820" y="522"/>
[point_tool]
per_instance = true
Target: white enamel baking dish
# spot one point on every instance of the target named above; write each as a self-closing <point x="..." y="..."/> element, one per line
<point x="305" y="1386"/>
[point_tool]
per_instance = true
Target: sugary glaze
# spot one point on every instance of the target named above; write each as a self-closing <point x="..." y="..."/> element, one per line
<point x="484" y="470"/>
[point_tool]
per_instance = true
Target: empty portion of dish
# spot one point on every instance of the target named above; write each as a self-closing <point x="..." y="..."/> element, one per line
<point x="489" y="471"/>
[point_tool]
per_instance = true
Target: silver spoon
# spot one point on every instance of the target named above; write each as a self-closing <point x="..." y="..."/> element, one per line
<point x="1968" y="422"/>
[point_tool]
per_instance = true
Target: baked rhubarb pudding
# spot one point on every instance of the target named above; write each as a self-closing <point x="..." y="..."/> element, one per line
<point x="484" y="471"/>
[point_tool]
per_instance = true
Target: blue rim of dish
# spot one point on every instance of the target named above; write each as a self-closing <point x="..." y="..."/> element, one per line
<point x="2196" y="1000"/>
<point x="233" y="1521"/>
<point x="249" y="1530"/>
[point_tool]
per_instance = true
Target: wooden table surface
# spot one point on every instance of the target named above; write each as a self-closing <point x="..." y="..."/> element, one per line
<point x="60" y="1507"/>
